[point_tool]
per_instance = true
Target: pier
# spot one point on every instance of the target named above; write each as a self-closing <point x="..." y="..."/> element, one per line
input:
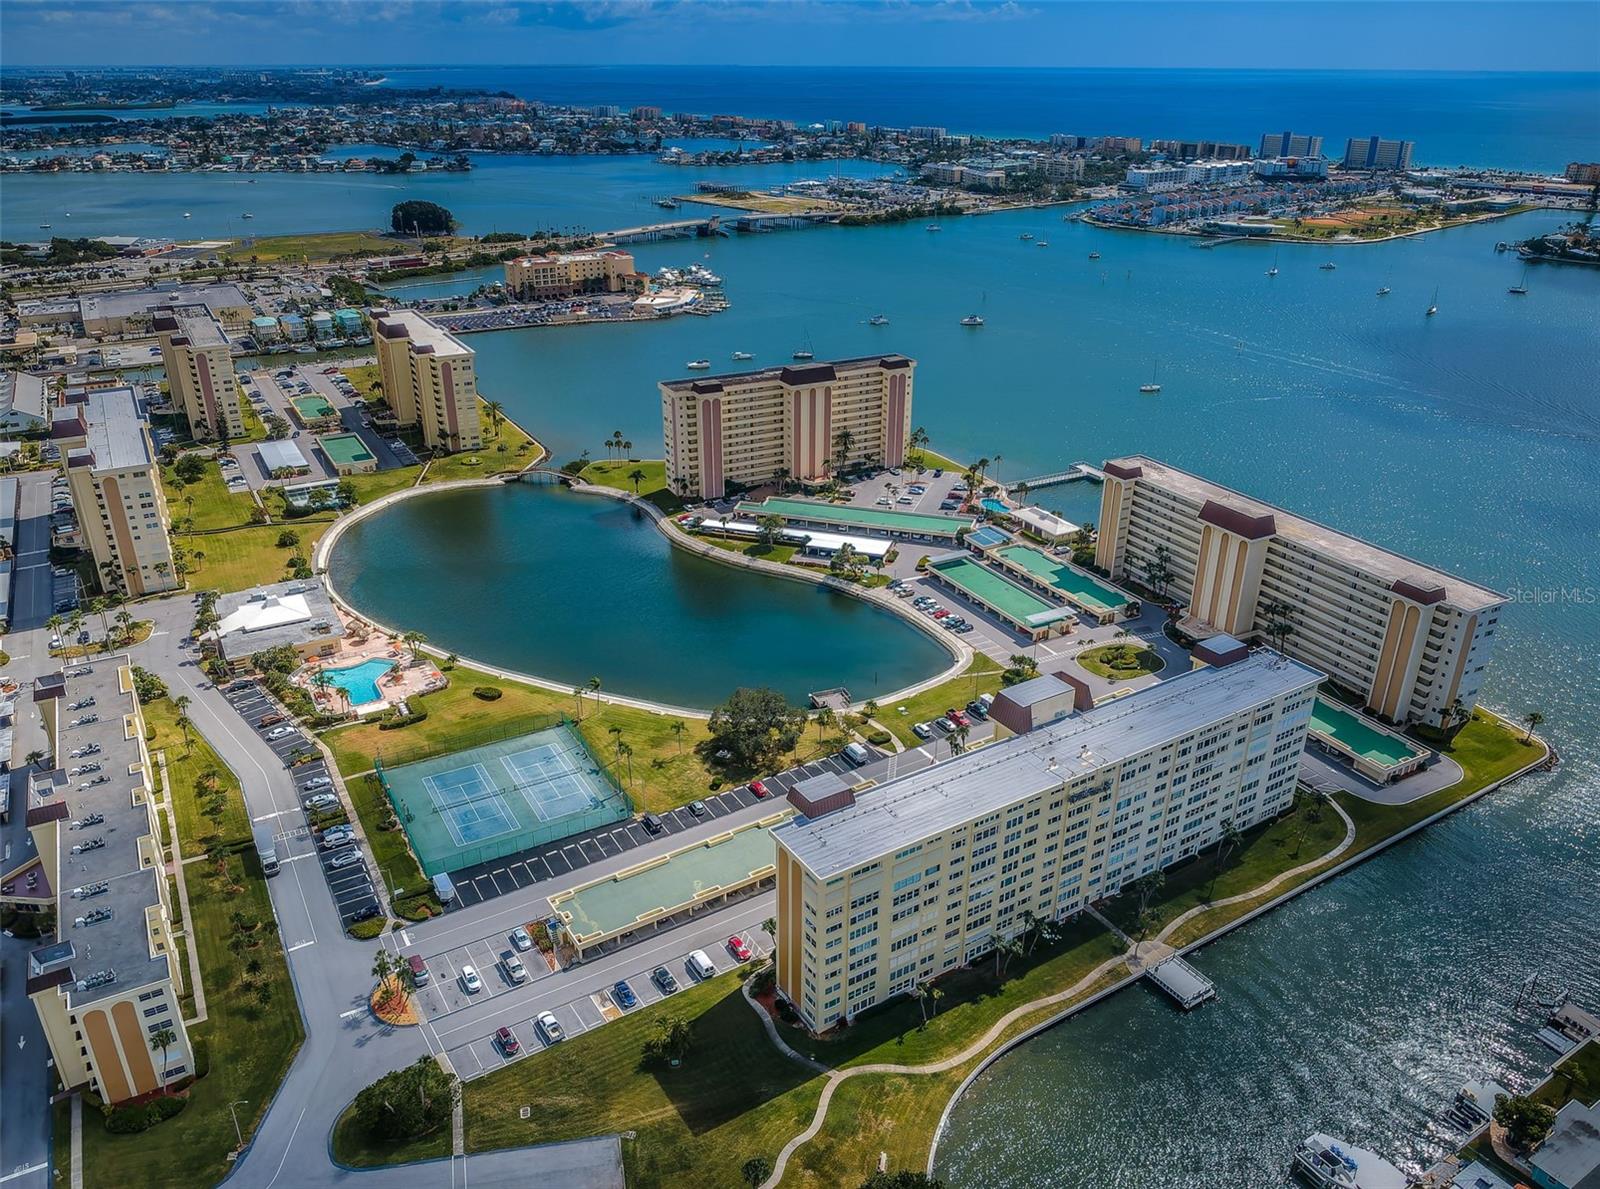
<point x="1077" y="471"/>
<point x="1186" y="985"/>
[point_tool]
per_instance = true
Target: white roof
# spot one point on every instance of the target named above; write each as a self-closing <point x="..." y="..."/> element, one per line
<point x="272" y="611"/>
<point x="833" y="542"/>
<point x="1046" y="523"/>
<point x="282" y="455"/>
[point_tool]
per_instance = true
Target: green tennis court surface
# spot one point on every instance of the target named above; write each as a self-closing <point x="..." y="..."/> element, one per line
<point x="472" y="806"/>
<point x="313" y="408"/>
<point x="346" y="449"/>
<point x="1351" y="732"/>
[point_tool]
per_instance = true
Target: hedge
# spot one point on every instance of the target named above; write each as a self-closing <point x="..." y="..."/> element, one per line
<point x="130" y="1120"/>
<point x="487" y="692"/>
<point x="368" y="929"/>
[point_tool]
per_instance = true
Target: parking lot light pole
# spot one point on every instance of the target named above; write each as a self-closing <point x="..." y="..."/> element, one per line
<point x="238" y="1135"/>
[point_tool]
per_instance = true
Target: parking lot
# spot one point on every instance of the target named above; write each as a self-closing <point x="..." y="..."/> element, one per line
<point x="269" y="391"/>
<point x="483" y="1053"/>
<point x="350" y="881"/>
<point x="567" y="855"/>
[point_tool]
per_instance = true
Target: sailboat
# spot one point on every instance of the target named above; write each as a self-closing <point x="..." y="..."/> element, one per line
<point x="1273" y="271"/>
<point x="1521" y="287"/>
<point x="878" y="320"/>
<point x="1433" y="304"/>
<point x="1152" y="386"/>
<point x="805" y="352"/>
<point x="1383" y="289"/>
<point x="1026" y="235"/>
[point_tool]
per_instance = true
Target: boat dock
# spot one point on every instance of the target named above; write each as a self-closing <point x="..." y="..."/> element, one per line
<point x="1077" y="471"/>
<point x="1186" y="985"/>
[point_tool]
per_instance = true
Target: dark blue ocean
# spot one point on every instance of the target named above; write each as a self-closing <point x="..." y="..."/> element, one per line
<point x="1530" y="121"/>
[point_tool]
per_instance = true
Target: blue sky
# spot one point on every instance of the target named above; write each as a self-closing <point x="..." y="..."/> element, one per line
<point x="1315" y="34"/>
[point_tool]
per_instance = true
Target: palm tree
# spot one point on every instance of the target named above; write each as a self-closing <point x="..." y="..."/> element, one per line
<point x="1145" y="889"/>
<point x="495" y="409"/>
<point x="679" y="727"/>
<point x="577" y="695"/>
<point x="1533" y="718"/>
<point x="825" y="718"/>
<point x="163" y="1040"/>
<point x="124" y="622"/>
<point x="34" y="757"/>
<point x="842" y="443"/>
<point x="770" y="928"/>
<point x="1004" y="950"/>
<point x="625" y="752"/>
<point x="957" y="739"/>
<point x="771" y="525"/>
<point x="414" y="641"/>
<point x="923" y="991"/>
<point x="1226" y="843"/>
<point x="636" y="477"/>
<point x="782" y="476"/>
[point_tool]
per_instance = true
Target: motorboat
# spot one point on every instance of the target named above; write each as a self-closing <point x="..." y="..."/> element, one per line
<point x="934" y="227"/>
<point x="1328" y="266"/>
<point x="878" y="320"/>
<point x="803" y="355"/>
<point x="1094" y="255"/>
<point x="1026" y="235"/>
<point x="698" y="365"/>
<point x="1044" y="243"/>
<point x="247" y="215"/>
<point x="1329" y="1163"/>
<point x="187" y="215"/>
<point x="972" y="320"/>
<point x="1383" y="291"/>
<point x="742" y="355"/>
<point x="1433" y="304"/>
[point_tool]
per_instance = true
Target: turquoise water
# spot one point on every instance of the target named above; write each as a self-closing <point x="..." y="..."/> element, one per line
<point x="572" y="587"/>
<point x="360" y="681"/>
<point x="995" y="506"/>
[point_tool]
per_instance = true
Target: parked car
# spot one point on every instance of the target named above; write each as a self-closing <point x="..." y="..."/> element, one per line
<point x="321" y="802"/>
<point x="955" y="716"/>
<point x="738" y="948"/>
<point x="345" y="858"/>
<point x="337" y="837"/>
<point x="759" y="788"/>
<point x="698" y="808"/>
<point x="652" y="823"/>
<point x="521" y="939"/>
<point x="269" y="720"/>
<point x="512" y="965"/>
<point x="977" y="709"/>
<point x="316" y="782"/>
<point x="700" y="965"/>
<point x="550" y="1026"/>
<point x="922" y="730"/>
<point x="470" y="982"/>
<point x="279" y="732"/>
<point x="622" y="995"/>
<point x="662" y="977"/>
<point x="944" y="724"/>
<point x="506" y="1039"/>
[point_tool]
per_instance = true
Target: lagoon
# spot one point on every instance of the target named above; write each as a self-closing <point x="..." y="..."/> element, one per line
<point x="569" y="587"/>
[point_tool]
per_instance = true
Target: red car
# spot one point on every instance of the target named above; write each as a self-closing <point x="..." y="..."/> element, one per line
<point x="759" y="789"/>
<point x="957" y="717"/>
<point x="509" y="1044"/>
<point x="940" y="613"/>
<point x="738" y="948"/>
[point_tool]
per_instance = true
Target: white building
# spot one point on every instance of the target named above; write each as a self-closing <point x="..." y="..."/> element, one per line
<point x="1154" y="178"/>
<point x="24" y="403"/>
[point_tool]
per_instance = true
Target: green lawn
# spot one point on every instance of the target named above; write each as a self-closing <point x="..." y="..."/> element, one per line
<point x="1575" y="1076"/>
<point x="981" y="676"/>
<point x="327" y="245"/>
<point x="756" y="549"/>
<point x="250" y="1045"/>
<point x="508" y="449"/>
<point x="735" y="1096"/>
<point x="197" y="834"/>
<point x="209" y="501"/>
<point x="1121" y="661"/>
<point x="1264" y="852"/>
<point x="247" y="557"/>
<point x="365" y="380"/>
<point x="974" y="999"/>
<point x="653" y="487"/>
<point x="390" y="852"/>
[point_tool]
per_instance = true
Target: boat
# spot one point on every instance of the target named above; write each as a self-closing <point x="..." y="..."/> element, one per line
<point x="1433" y="304"/>
<point x="1521" y="287"/>
<point x="741" y="355"/>
<point x="247" y="215"/>
<point x="1094" y="255"/>
<point x="1026" y="235"/>
<point x="878" y="320"/>
<point x="305" y="349"/>
<point x="972" y="320"/>
<point x="934" y="227"/>
<point x="1152" y="386"/>
<point x="1329" y="1163"/>
<point x="698" y="365"/>
<point x="1383" y="291"/>
<point x="1044" y="243"/>
<point x="1328" y="266"/>
<point x="187" y="215"/>
<point x="44" y="227"/>
<point x="1501" y="246"/>
<point x="667" y="204"/>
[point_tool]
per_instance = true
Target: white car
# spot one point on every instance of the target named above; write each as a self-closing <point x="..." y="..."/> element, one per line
<point x="337" y="837"/>
<point x="347" y="858"/>
<point x="321" y="801"/>
<point x="922" y="730"/>
<point x="512" y="965"/>
<point x="550" y="1027"/>
<point x="470" y="982"/>
<point x="279" y="732"/>
<point x="316" y="782"/>
<point x="521" y="939"/>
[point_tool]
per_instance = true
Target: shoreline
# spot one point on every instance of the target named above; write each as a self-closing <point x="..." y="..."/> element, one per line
<point x="1487" y="217"/>
<point x="960" y="652"/>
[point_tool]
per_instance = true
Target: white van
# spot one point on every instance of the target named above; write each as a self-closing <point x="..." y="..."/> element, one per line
<point x="443" y="888"/>
<point x="856" y="754"/>
<point x="700" y="966"/>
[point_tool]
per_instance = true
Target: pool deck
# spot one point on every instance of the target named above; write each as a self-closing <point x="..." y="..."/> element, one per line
<point x="1348" y="729"/>
<point x="407" y="679"/>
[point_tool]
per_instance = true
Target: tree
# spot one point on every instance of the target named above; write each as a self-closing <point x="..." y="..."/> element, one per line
<point x="1004" y="950"/>
<point x="825" y="718"/>
<point x="957" y="739"/>
<point x="1526" y="1121"/>
<point x="625" y="752"/>
<point x="770" y="928"/>
<point x="1145" y="889"/>
<point x="754" y="724"/>
<point x="414" y="641"/>
<point x="288" y="539"/>
<point x="755" y="1171"/>
<point x="1533" y="718"/>
<point x="577" y="696"/>
<point x="670" y="1041"/>
<point x="843" y="441"/>
<point x="416" y="217"/>
<point x="1158" y="573"/>
<point x="771" y="526"/>
<point x="1277" y="622"/>
<point x="408" y="1103"/>
<point x="636" y="477"/>
<point x="1226" y="844"/>
<point x="679" y="727"/>
<point x="496" y="412"/>
<point x="163" y="1040"/>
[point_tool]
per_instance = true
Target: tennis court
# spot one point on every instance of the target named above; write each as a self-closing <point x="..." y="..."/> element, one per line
<point x="495" y="800"/>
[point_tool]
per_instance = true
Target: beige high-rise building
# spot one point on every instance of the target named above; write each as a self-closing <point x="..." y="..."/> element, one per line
<point x="881" y="890"/>
<point x="108" y="992"/>
<point x="1410" y="639"/>
<point x="753" y="426"/>
<point x="567" y="274"/>
<point x="115" y="483"/>
<point x="200" y="375"/>
<point x="429" y="380"/>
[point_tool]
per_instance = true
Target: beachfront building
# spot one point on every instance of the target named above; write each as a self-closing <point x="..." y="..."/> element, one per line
<point x="568" y="274"/>
<point x="1153" y="179"/>
<point x="1290" y="144"/>
<point x="1373" y="152"/>
<point x="1409" y="639"/>
<point x="200" y="376"/>
<point x="115" y="483"/>
<point x="881" y="890"/>
<point x="111" y="985"/>
<point x="429" y="380"/>
<point x="803" y="422"/>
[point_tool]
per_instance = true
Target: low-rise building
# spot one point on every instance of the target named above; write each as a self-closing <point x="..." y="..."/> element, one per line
<point x="568" y="274"/>
<point x="910" y="879"/>
<point x="24" y="403"/>
<point x="133" y="311"/>
<point x="107" y="993"/>
<point x="299" y="614"/>
<point x="1569" y="1157"/>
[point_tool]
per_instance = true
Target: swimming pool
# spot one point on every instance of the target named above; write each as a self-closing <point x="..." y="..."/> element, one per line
<point x="994" y="506"/>
<point x="360" y="681"/>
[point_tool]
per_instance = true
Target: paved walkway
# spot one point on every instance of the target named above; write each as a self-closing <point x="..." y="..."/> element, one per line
<point x="196" y="986"/>
<point x="1134" y="958"/>
<point x="77" y="1141"/>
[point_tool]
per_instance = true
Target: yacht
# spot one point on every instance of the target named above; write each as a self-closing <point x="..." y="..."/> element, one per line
<point x="247" y="215"/>
<point x="187" y="215"/>
<point x="1329" y="1163"/>
<point x="1433" y="304"/>
<point x="44" y="227"/>
<point x="667" y="204"/>
<point x="803" y="355"/>
<point x="972" y="320"/>
<point x="1329" y="266"/>
<point x="878" y="320"/>
<point x="1521" y="287"/>
<point x="1026" y="235"/>
<point x="698" y="365"/>
<point x="742" y="355"/>
<point x="1094" y="255"/>
<point x="1383" y="291"/>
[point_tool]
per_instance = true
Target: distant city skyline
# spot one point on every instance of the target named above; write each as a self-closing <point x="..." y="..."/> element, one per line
<point x="1416" y="35"/>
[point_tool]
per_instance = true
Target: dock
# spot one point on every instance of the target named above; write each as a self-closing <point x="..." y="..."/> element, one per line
<point x="1186" y="985"/>
<point x="1077" y="471"/>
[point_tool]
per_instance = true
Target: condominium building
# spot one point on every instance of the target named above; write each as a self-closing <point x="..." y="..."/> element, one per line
<point x="200" y="376"/>
<point x="880" y="892"/>
<point x="1409" y="638"/>
<point x="803" y="422"/>
<point x="107" y="992"/>
<point x="1290" y="144"/>
<point x="1586" y="172"/>
<point x="1373" y="152"/>
<point x="428" y="379"/>
<point x="567" y="274"/>
<point x="115" y="482"/>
